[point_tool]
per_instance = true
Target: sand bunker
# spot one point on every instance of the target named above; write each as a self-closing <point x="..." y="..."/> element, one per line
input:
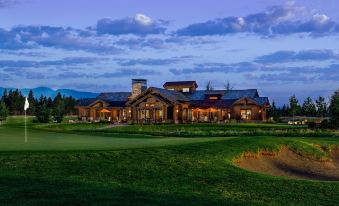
<point x="290" y="164"/>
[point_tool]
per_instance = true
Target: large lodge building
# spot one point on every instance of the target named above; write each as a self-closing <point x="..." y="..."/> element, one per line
<point x="178" y="102"/>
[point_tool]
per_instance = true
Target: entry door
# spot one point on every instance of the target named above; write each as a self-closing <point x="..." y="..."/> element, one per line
<point x="246" y="114"/>
<point x="170" y="113"/>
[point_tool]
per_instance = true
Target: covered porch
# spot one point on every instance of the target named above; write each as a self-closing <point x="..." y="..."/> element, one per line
<point x="101" y="111"/>
<point x="105" y="114"/>
<point x="110" y="114"/>
<point x="210" y="114"/>
<point x="151" y="114"/>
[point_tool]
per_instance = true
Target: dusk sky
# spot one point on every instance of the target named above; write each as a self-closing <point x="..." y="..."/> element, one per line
<point x="279" y="47"/>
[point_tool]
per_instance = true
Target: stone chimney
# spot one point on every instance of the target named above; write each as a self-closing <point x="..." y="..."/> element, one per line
<point x="138" y="86"/>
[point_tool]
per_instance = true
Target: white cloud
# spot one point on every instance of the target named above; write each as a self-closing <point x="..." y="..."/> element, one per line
<point x="143" y="19"/>
<point x="320" y="18"/>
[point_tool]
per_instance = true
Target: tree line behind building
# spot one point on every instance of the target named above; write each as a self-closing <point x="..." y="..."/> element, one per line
<point x="44" y="108"/>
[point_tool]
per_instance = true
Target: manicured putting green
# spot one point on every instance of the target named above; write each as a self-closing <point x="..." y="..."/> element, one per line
<point x="12" y="139"/>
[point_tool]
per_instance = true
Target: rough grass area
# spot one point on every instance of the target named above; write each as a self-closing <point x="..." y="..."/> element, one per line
<point x="195" y="174"/>
<point x="194" y="130"/>
<point x="199" y="172"/>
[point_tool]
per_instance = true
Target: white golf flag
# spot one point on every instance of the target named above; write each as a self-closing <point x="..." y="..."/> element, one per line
<point x="26" y="104"/>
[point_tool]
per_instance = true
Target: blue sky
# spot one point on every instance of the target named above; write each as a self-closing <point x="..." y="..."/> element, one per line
<point x="280" y="47"/>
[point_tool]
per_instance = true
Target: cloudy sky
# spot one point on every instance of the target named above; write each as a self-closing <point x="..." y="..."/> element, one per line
<point x="280" y="47"/>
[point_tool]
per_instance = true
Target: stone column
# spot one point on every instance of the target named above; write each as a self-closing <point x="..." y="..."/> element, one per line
<point x="219" y="115"/>
<point x="154" y="116"/>
<point x="164" y="113"/>
<point x="175" y="114"/>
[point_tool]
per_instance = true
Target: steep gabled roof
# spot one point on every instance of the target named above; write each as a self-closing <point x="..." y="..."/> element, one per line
<point x="237" y="94"/>
<point x="196" y="98"/>
<point x="215" y="92"/>
<point x="196" y="95"/>
<point x="171" y="95"/>
<point x="85" y="102"/>
<point x="113" y="99"/>
<point x="181" y="83"/>
<point x="225" y="94"/>
<point x="261" y="100"/>
<point x="114" y="96"/>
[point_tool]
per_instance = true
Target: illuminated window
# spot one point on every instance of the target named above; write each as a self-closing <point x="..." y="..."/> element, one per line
<point x="246" y="114"/>
<point x="185" y="89"/>
<point x="213" y="98"/>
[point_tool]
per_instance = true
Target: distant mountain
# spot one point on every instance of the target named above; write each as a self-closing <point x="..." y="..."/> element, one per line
<point x="45" y="91"/>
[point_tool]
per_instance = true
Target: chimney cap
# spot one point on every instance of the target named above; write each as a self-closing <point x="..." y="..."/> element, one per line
<point x="139" y="79"/>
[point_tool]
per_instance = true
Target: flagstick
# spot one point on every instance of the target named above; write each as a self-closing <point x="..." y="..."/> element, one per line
<point x="25" y="128"/>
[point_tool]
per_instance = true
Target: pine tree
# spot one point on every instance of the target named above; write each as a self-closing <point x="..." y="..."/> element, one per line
<point x="209" y="86"/>
<point x="321" y="107"/>
<point x="49" y="102"/>
<point x="4" y="96"/>
<point x="274" y="112"/>
<point x="228" y="86"/>
<point x="42" y="112"/>
<point x="294" y="105"/>
<point x="334" y="109"/>
<point x="59" y="108"/>
<point x="284" y="111"/>
<point x="32" y="103"/>
<point x="308" y="108"/>
<point x="3" y="111"/>
<point x="70" y="104"/>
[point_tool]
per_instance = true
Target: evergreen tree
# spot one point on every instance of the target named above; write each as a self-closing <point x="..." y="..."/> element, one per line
<point x="321" y="107"/>
<point x="42" y="108"/>
<point x="209" y="86"/>
<point x="308" y="108"/>
<point x="70" y="104"/>
<point x="43" y="113"/>
<point x="32" y="103"/>
<point x="19" y="101"/>
<point x="294" y="106"/>
<point x="284" y="111"/>
<point x="4" y="96"/>
<point x="59" y="108"/>
<point x="228" y="86"/>
<point x="14" y="101"/>
<point x="3" y="111"/>
<point x="49" y="103"/>
<point x="274" y="112"/>
<point x="334" y="109"/>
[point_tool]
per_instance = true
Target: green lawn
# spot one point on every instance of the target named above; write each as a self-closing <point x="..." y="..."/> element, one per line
<point x="110" y="170"/>
<point x="12" y="139"/>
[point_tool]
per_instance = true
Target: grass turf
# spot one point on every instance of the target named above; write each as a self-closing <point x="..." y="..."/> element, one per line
<point x="12" y="139"/>
<point x="191" y="174"/>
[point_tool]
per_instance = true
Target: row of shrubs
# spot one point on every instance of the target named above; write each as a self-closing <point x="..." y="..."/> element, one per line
<point x="325" y="124"/>
<point x="195" y="130"/>
<point x="224" y="133"/>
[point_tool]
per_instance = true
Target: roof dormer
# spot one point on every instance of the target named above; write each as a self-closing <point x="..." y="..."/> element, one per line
<point x="182" y="86"/>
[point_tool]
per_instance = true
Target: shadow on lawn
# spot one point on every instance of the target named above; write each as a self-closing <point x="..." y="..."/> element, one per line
<point x="35" y="192"/>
